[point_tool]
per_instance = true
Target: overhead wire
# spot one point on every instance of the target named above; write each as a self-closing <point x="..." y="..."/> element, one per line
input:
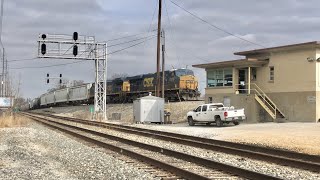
<point x="124" y="37"/>
<point x="154" y="12"/>
<point x="215" y="26"/>
<point x="171" y="29"/>
<point x="130" y="41"/>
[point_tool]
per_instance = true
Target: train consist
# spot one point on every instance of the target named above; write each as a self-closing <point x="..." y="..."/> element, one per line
<point x="180" y="84"/>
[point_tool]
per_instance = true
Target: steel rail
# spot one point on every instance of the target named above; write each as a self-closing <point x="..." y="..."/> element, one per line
<point x="197" y="160"/>
<point x="287" y="158"/>
<point x="126" y="152"/>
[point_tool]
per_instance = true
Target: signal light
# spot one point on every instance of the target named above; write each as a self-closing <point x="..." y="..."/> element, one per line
<point x="47" y="81"/>
<point x="43" y="49"/>
<point x="75" y="50"/>
<point x="48" y="75"/>
<point x="43" y="36"/>
<point x="75" y="36"/>
<point x="60" y="81"/>
<point x="61" y="75"/>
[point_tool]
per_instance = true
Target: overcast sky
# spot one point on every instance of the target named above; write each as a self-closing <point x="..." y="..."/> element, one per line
<point x="188" y="40"/>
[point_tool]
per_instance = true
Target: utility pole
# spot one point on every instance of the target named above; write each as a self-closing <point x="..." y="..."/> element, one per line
<point x="19" y="84"/>
<point x="163" y="61"/>
<point x="3" y="75"/>
<point x="158" y="50"/>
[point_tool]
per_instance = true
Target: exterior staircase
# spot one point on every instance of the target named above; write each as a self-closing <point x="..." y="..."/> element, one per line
<point x="267" y="103"/>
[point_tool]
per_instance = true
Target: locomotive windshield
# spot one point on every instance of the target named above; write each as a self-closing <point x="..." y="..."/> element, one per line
<point x="183" y="72"/>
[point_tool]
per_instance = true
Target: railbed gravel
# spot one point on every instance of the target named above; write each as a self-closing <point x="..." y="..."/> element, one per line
<point x="36" y="152"/>
<point x="283" y="172"/>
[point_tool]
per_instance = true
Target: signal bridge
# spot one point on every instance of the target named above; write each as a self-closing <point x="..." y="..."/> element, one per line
<point x="79" y="47"/>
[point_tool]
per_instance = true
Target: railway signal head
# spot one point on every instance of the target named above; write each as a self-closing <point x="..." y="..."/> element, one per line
<point x="60" y="75"/>
<point x="47" y="78"/>
<point x="75" y="50"/>
<point x="43" y="36"/>
<point x="43" y="49"/>
<point x="75" y="36"/>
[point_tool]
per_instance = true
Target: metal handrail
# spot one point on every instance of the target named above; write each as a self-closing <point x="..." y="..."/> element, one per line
<point x="275" y="108"/>
<point x="264" y="95"/>
<point x="269" y="99"/>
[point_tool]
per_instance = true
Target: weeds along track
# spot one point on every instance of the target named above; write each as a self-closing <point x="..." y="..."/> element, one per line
<point x="176" y="164"/>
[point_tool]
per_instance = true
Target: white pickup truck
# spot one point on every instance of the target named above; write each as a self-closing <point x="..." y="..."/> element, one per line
<point x="215" y="113"/>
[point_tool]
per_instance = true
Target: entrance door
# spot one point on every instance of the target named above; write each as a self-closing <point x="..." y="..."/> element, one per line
<point x="242" y="80"/>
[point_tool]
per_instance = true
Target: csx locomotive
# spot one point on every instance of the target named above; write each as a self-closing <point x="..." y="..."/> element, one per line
<point x="179" y="84"/>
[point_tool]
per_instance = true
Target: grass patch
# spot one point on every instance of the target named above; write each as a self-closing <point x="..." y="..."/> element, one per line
<point x="8" y="121"/>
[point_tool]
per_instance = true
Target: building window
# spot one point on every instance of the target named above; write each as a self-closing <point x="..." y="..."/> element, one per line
<point x="271" y="77"/>
<point x="210" y="100"/>
<point x="254" y="74"/>
<point x="219" y="78"/>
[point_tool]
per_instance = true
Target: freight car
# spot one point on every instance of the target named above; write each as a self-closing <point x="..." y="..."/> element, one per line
<point x="180" y="84"/>
<point x="82" y="94"/>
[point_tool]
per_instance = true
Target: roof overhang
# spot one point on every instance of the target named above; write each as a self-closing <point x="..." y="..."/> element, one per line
<point x="279" y="48"/>
<point x="233" y="63"/>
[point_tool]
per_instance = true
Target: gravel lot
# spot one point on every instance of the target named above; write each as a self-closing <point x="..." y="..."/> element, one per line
<point x="299" y="137"/>
<point x="35" y="152"/>
<point x="238" y="161"/>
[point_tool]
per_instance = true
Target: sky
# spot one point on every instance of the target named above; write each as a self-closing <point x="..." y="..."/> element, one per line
<point x="188" y="40"/>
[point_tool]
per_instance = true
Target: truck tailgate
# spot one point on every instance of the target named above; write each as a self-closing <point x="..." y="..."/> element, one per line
<point x="235" y="113"/>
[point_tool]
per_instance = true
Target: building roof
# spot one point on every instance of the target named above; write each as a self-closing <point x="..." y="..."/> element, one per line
<point x="278" y="48"/>
<point x="233" y="63"/>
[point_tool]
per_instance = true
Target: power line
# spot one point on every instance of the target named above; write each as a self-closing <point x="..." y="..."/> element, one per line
<point x="1" y="22"/>
<point x="130" y="46"/>
<point x="124" y="37"/>
<point x="171" y="29"/>
<point x="113" y="52"/>
<point x="154" y="12"/>
<point x="215" y="26"/>
<point x="39" y="67"/>
<point x="130" y="41"/>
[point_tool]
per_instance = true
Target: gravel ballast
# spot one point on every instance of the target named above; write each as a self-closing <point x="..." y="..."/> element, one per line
<point x="36" y="152"/>
<point x="238" y="161"/>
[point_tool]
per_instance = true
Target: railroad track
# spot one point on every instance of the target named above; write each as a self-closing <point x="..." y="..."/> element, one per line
<point x="277" y="156"/>
<point x="178" y="165"/>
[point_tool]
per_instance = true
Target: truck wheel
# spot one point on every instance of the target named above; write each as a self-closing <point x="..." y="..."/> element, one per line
<point x="219" y="123"/>
<point x="190" y="121"/>
<point x="236" y="123"/>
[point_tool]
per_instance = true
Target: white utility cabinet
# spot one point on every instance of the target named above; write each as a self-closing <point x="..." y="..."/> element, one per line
<point x="148" y="109"/>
